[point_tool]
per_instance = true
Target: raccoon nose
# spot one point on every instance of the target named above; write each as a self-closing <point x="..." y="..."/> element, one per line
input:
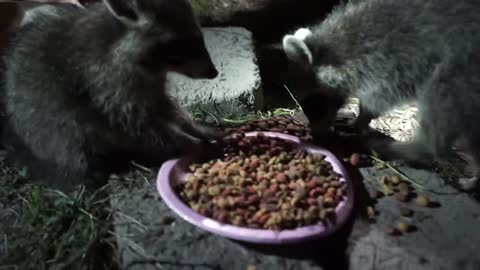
<point x="212" y="73"/>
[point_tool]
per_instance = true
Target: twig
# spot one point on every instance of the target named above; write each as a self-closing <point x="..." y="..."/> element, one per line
<point x="141" y="167"/>
<point x="410" y="180"/>
<point x="5" y="244"/>
<point x="293" y="97"/>
<point x="72" y="201"/>
<point x="24" y="200"/>
<point x="211" y="115"/>
<point x="132" y="220"/>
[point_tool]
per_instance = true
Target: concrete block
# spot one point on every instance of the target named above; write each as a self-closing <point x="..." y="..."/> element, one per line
<point x="237" y="89"/>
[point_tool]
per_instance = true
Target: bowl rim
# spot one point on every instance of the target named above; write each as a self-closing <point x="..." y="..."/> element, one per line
<point x="260" y="236"/>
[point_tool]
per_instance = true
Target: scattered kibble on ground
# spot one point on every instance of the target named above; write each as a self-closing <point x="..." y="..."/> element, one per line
<point x="166" y="220"/>
<point x="371" y="212"/>
<point x="405" y="212"/>
<point x="375" y="194"/>
<point x="355" y="159"/>
<point x="404" y="227"/>
<point x="422" y="200"/>
<point x="387" y="190"/>
<point x="403" y="193"/>
<point x="390" y="230"/>
<point x="401" y="196"/>
<point x="395" y="179"/>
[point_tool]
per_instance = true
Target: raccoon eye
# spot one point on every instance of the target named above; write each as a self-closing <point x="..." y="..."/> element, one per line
<point x="186" y="47"/>
<point x="171" y="52"/>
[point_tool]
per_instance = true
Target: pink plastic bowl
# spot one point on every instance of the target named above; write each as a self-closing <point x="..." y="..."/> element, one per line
<point x="173" y="172"/>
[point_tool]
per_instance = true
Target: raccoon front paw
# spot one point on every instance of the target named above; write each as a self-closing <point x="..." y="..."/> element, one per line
<point x="356" y="127"/>
<point x="391" y="150"/>
<point x="202" y="140"/>
<point x="207" y="134"/>
<point x="469" y="184"/>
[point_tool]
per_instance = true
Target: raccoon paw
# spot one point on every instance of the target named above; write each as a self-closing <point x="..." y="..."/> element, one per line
<point x="468" y="184"/>
<point x="208" y="134"/>
<point x="408" y="153"/>
<point x="361" y="130"/>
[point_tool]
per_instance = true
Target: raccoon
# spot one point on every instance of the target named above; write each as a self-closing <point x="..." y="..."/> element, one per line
<point x="85" y="88"/>
<point x="388" y="53"/>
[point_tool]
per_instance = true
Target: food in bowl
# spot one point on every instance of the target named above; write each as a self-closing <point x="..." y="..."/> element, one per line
<point x="264" y="183"/>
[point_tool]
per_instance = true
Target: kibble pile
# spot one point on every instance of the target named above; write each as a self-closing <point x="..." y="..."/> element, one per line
<point x="264" y="182"/>
<point x="280" y="124"/>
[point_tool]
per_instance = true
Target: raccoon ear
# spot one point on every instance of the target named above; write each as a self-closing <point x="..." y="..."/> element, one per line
<point x="296" y="50"/>
<point x="303" y="33"/>
<point x="123" y="10"/>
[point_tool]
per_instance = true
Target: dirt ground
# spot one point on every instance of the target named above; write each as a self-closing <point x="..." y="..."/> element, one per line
<point x="41" y="228"/>
<point x="55" y="230"/>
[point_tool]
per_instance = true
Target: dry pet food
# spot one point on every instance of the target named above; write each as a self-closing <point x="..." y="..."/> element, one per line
<point x="405" y="212"/>
<point x="390" y="230"/>
<point x="264" y="182"/>
<point x="355" y="159"/>
<point x="404" y="227"/>
<point x="281" y="124"/>
<point x="422" y="200"/>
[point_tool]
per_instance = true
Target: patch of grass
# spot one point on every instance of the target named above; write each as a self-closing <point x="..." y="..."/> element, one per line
<point x="49" y="229"/>
<point x="204" y="7"/>
<point x="209" y="118"/>
<point x="212" y="120"/>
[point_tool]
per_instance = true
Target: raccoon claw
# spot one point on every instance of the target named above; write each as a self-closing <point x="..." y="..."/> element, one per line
<point x="212" y="136"/>
<point x="209" y="149"/>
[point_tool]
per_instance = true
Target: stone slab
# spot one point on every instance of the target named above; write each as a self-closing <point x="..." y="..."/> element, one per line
<point x="237" y="89"/>
<point x="447" y="236"/>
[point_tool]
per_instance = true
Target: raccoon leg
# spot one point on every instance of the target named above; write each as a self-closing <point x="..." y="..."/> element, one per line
<point x="58" y="150"/>
<point x="67" y="166"/>
<point x="428" y="145"/>
<point x="176" y="133"/>
<point x="473" y="166"/>
<point x="441" y="117"/>
<point x="183" y="121"/>
<point x="79" y="161"/>
<point x="413" y="153"/>
<point x="365" y="116"/>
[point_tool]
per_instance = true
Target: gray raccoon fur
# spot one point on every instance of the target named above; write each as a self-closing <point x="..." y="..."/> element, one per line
<point x="86" y="87"/>
<point x="387" y="53"/>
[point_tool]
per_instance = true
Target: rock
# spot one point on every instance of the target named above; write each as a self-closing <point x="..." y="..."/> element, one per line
<point x="144" y="240"/>
<point x="236" y="90"/>
<point x="268" y="20"/>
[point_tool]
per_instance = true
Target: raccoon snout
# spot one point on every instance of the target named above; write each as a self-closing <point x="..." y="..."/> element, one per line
<point x="212" y="73"/>
<point x="206" y="69"/>
<point x="201" y="70"/>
